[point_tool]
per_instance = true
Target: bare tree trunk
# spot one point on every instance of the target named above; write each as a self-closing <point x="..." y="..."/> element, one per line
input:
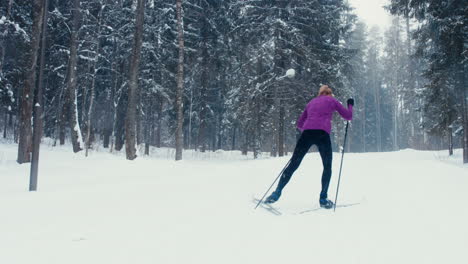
<point x="395" y="122"/>
<point x="38" y="117"/>
<point x="180" y="82"/>
<point x="58" y="118"/>
<point x="149" y="125"/>
<point x="158" y="122"/>
<point x="133" y="92"/>
<point x="25" y="133"/>
<point x="414" y="120"/>
<point x="107" y="136"/>
<point x="363" y="135"/>
<point x="63" y="118"/>
<point x="202" y="135"/>
<point x="201" y="141"/>
<point x="5" y="125"/>
<point x="119" y="117"/>
<point x="71" y="101"/>
<point x="138" y="122"/>
<point x="281" y="132"/>
<point x="147" y="135"/>
<point x="276" y="102"/>
<point x="257" y="128"/>
<point x="119" y="126"/>
<point x="113" y="102"/>
<point x="378" y="114"/>
<point x="464" y="110"/>
<point x="450" y="141"/>
<point x="62" y="112"/>
<point x="93" y="84"/>
<point x="84" y="99"/>
<point x="245" y="144"/>
<point x="220" y="132"/>
<point x="233" y="146"/>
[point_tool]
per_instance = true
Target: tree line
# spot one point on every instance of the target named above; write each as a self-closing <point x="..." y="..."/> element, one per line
<point x="208" y="75"/>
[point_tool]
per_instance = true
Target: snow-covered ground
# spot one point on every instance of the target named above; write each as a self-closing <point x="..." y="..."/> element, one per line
<point x="103" y="209"/>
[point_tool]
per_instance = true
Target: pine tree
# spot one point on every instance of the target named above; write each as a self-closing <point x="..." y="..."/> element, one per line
<point x="444" y="27"/>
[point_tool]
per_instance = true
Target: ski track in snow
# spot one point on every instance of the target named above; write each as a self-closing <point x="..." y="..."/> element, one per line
<point x="105" y="209"/>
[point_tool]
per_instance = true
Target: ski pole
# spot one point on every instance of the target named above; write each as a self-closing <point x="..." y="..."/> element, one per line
<point x="341" y="165"/>
<point x="281" y="173"/>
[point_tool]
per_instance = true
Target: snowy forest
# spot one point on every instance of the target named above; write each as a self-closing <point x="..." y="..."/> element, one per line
<point x="210" y="75"/>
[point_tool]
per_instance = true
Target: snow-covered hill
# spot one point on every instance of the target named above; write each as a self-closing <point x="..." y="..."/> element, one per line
<point x="412" y="208"/>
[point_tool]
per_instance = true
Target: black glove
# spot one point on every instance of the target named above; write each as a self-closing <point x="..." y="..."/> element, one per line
<point x="350" y="101"/>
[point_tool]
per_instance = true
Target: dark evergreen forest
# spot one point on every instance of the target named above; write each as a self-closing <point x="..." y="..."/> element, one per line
<point x="211" y="75"/>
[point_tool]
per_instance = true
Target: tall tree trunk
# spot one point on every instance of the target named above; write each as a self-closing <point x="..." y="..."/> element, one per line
<point x="107" y="136"/>
<point x="59" y="131"/>
<point x="464" y="110"/>
<point x="395" y="122"/>
<point x="233" y="146"/>
<point x="414" y="120"/>
<point x="119" y="126"/>
<point x="212" y="135"/>
<point x="84" y="99"/>
<point x="159" y="121"/>
<point x="147" y="136"/>
<point x="120" y="109"/>
<point x="450" y="141"/>
<point x="63" y="117"/>
<point x="38" y="110"/>
<point x="378" y="114"/>
<point x="113" y="102"/>
<point x="190" y="119"/>
<point x="363" y="135"/>
<point x="71" y="101"/>
<point x="202" y="134"/>
<point x="5" y="125"/>
<point x="201" y="140"/>
<point x="257" y="127"/>
<point x="281" y="132"/>
<point x="62" y="112"/>
<point x="220" y="131"/>
<point x="93" y="84"/>
<point x="180" y="82"/>
<point x="245" y="144"/>
<point x="27" y="96"/>
<point x="148" y="126"/>
<point x="276" y="105"/>
<point x="133" y="91"/>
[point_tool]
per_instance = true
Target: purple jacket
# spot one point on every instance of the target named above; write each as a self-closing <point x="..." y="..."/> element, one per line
<point x="319" y="111"/>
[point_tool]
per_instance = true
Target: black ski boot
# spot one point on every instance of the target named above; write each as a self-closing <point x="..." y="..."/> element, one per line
<point x="273" y="197"/>
<point x="325" y="203"/>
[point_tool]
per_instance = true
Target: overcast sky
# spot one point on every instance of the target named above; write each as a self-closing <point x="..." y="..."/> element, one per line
<point x="372" y="12"/>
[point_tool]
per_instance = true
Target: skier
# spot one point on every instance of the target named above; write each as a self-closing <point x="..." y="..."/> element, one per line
<point x="315" y="125"/>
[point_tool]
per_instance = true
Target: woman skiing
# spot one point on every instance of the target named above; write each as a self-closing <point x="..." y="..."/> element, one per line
<point x="315" y="125"/>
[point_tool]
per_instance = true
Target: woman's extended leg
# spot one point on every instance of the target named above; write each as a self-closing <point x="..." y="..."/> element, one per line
<point x="302" y="146"/>
<point x="325" y="149"/>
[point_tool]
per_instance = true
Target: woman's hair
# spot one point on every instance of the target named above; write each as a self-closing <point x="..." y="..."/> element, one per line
<point x="325" y="90"/>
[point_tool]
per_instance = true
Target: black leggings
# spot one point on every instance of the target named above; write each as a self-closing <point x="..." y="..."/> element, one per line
<point x="307" y="139"/>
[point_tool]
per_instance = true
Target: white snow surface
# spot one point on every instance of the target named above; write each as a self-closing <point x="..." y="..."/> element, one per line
<point x="105" y="209"/>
